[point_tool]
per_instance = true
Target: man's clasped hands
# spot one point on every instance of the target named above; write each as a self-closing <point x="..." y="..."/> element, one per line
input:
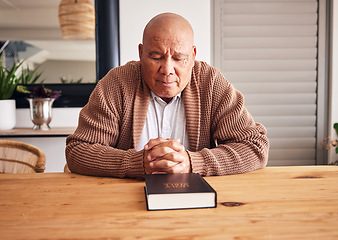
<point x="165" y="156"/>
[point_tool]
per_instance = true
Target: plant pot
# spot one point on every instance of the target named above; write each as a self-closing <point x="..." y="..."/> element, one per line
<point x="41" y="112"/>
<point x="8" y="114"/>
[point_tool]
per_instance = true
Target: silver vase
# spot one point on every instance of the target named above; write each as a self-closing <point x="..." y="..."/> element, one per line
<point x="41" y="112"/>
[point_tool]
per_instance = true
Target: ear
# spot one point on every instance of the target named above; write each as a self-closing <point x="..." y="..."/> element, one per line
<point x="140" y="50"/>
<point x="194" y="52"/>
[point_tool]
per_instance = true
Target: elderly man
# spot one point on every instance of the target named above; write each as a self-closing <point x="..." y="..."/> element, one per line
<point x="166" y="113"/>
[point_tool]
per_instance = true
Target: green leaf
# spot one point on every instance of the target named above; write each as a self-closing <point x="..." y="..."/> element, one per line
<point x="22" y="89"/>
<point x="30" y="76"/>
<point x="336" y="150"/>
<point x="335" y="126"/>
<point x="8" y="80"/>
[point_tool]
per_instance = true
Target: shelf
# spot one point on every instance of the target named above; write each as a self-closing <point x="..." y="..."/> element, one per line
<point x="28" y="132"/>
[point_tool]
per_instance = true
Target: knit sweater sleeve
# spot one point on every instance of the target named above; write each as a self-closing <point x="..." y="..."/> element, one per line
<point x="101" y="144"/>
<point x="234" y="143"/>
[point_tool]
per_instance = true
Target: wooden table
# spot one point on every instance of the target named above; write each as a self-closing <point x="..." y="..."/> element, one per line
<point x="272" y="203"/>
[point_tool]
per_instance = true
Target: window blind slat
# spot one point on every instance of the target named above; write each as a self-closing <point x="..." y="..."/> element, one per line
<point x="270" y="65"/>
<point x="281" y="98"/>
<point x="291" y="162"/>
<point x="289" y="153"/>
<point x="291" y="132"/>
<point x="269" y="42"/>
<point x="262" y="1"/>
<point x="271" y="76"/>
<point x="282" y="110"/>
<point x="269" y="53"/>
<point x="287" y="121"/>
<point x="269" y="31"/>
<point x="294" y="87"/>
<point x="258" y="7"/>
<point x="270" y="19"/>
<point x="285" y="143"/>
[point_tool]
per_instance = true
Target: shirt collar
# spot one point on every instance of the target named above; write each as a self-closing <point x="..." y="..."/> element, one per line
<point x="154" y="96"/>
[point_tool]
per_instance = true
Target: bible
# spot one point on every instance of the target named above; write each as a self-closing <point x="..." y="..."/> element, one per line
<point x="178" y="191"/>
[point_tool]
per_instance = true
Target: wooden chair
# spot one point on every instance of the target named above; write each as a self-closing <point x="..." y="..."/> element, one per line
<point x="66" y="169"/>
<point x="20" y="157"/>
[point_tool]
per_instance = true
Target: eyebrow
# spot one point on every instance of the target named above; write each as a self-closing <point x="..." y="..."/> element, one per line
<point x="155" y="53"/>
<point x="181" y="55"/>
<point x="177" y="54"/>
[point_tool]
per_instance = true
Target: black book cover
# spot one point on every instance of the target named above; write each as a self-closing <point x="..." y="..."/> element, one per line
<point x="179" y="186"/>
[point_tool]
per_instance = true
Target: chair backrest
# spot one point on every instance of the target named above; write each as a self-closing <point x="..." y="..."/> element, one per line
<point x="66" y="169"/>
<point x="20" y="157"/>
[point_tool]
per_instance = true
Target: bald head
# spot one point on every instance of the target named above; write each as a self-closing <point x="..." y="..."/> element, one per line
<point x="167" y="55"/>
<point x="170" y="23"/>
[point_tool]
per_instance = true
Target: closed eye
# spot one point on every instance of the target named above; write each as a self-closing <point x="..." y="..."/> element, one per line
<point x="179" y="59"/>
<point x="155" y="56"/>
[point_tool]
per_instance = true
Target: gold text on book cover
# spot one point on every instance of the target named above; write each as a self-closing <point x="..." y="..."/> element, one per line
<point x="176" y="185"/>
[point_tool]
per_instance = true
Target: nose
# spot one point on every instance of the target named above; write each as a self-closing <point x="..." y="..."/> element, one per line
<point x="167" y="67"/>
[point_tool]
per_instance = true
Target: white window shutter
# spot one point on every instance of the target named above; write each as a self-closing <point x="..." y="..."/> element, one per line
<point x="268" y="51"/>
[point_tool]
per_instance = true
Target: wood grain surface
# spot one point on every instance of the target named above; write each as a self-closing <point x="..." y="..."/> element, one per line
<point x="271" y="203"/>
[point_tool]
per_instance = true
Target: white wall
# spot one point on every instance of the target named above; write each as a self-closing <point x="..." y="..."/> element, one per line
<point x="62" y="117"/>
<point x="71" y="70"/>
<point x="333" y="91"/>
<point x="134" y="15"/>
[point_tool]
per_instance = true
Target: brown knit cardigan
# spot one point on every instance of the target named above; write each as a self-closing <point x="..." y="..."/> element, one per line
<point x="223" y="137"/>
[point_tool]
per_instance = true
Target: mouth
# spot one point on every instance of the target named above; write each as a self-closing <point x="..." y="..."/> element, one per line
<point x="166" y="84"/>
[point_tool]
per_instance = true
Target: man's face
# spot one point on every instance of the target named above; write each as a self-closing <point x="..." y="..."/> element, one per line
<point x="167" y="60"/>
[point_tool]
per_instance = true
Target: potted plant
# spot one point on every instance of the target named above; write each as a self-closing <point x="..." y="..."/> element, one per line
<point x="29" y="76"/>
<point x="40" y="102"/>
<point x="8" y="83"/>
<point x="40" y="98"/>
<point x="65" y="80"/>
<point x="327" y="143"/>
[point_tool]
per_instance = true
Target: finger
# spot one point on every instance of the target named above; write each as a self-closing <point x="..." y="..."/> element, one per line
<point x="159" y="152"/>
<point x="154" y="142"/>
<point x="182" y="161"/>
<point x="164" y="148"/>
<point x="173" y="143"/>
<point x="177" y="168"/>
<point x="155" y="153"/>
<point x="176" y="157"/>
<point x="161" y="165"/>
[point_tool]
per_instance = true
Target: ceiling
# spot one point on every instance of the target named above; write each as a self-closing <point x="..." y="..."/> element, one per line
<point x="36" y="21"/>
